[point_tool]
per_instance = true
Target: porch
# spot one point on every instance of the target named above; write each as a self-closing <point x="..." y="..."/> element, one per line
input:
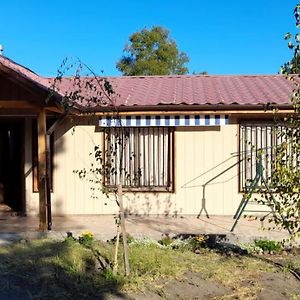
<point x="103" y="226"/>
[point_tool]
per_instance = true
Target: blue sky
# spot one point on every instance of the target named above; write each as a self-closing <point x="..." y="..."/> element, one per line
<point x="220" y="37"/>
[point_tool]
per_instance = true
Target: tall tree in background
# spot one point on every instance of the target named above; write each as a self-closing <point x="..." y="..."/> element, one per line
<point x="152" y="52"/>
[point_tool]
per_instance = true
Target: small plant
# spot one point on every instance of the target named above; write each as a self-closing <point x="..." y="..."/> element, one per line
<point x="268" y="246"/>
<point x="289" y="266"/>
<point x="198" y="242"/>
<point x="166" y="240"/>
<point x="130" y="239"/>
<point x="147" y="243"/>
<point x="181" y="244"/>
<point x="86" y="238"/>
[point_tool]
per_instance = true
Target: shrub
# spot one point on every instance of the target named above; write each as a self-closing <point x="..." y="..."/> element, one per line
<point x="268" y="245"/>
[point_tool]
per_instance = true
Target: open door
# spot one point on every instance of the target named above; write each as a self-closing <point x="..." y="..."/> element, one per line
<point x="12" y="164"/>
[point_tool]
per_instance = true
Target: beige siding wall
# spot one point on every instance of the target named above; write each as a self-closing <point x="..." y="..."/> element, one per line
<point x="31" y="203"/>
<point x="200" y="154"/>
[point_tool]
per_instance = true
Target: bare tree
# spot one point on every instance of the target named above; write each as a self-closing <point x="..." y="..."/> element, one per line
<point x="83" y="93"/>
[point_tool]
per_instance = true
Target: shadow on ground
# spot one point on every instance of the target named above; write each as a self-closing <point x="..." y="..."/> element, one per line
<point x="51" y="270"/>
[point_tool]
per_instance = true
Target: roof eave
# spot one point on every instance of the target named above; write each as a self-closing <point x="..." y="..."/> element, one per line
<point x="194" y="107"/>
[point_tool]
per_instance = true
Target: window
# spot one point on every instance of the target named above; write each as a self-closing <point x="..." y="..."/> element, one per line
<point x="147" y="158"/>
<point x="257" y="139"/>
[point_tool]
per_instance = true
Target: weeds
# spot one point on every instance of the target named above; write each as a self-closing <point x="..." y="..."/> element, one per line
<point x="86" y="238"/>
<point x="70" y="269"/>
<point x="264" y="247"/>
<point x="268" y="245"/>
<point x="191" y="243"/>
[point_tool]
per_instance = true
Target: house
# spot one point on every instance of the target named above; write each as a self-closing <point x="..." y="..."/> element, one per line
<point x="189" y="136"/>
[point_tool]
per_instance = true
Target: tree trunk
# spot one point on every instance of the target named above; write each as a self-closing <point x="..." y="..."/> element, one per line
<point x="123" y="227"/>
<point x="115" y="263"/>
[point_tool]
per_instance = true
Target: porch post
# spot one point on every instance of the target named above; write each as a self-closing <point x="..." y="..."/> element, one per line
<point x="42" y="170"/>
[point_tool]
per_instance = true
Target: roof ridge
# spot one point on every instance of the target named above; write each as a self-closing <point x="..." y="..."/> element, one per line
<point x="173" y="76"/>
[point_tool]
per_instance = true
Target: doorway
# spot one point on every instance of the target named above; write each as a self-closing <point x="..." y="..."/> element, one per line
<point x="12" y="164"/>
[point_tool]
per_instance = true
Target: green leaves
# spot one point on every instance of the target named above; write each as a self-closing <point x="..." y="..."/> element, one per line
<point x="152" y="52"/>
<point x="287" y="36"/>
<point x="293" y="66"/>
<point x="285" y="175"/>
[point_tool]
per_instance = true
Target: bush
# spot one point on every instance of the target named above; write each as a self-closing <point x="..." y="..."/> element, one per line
<point x="268" y="245"/>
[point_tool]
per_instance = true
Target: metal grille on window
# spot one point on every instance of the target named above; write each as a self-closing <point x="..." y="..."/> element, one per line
<point x="147" y="157"/>
<point x="256" y="140"/>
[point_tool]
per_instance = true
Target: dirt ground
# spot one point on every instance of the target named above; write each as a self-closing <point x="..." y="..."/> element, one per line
<point x="272" y="286"/>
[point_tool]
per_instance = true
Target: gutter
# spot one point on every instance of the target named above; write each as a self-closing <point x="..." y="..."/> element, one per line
<point x="193" y="109"/>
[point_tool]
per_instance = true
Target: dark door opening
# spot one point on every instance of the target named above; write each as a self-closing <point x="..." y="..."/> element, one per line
<point x="11" y="164"/>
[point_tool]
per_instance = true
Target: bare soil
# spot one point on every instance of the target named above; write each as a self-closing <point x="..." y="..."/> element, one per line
<point x="272" y="286"/>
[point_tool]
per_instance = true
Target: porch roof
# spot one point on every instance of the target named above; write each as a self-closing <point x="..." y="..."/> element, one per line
<point x="24" y="89"/>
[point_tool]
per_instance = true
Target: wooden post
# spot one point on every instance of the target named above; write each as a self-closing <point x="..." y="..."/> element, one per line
<point x="48" y="181"/>
<point x="42" y="165"/>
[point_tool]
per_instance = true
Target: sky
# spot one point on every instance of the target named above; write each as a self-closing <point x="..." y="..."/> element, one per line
<point x="219" y="37"/>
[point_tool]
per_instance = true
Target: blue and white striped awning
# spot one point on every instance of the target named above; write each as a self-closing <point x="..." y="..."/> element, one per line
<point x="164" y="121"/>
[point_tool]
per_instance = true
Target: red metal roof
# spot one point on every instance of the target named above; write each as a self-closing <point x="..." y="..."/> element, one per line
<point x="196" y="90"/>
<point x="24" y="72"/>
<point x="144" y="91"/>
<point x="202" y="90"/>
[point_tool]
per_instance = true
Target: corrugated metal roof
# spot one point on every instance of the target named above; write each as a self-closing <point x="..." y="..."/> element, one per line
<point x="202" y="90"/>
<point x="24" y="72"/>
<point x="180" y="90"/>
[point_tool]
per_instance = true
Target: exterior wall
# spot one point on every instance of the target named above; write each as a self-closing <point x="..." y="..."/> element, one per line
<point x="200" y="154"/>
<point x="32" y="199"/>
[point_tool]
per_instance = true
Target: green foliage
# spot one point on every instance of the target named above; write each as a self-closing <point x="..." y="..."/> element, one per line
<point x="86" y="238"/>
<point x="285" y="175"/>
<point x="190" y="244"/>
<point x="166" y="240"/>
<point x="130" y="239"/>
<point x="293" y="66"/>
<point x="268" y="245"/>
<point x="198" y="242"/>
<point x="152" y="52"/>
<point x="44" y="269"/>
<point x="67" y="270"/>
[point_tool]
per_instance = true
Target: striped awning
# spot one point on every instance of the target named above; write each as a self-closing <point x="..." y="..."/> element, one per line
<point x="164" y="121"/>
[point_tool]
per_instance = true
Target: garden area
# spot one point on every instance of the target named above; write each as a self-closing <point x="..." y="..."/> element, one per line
<point x="194" y="267"/>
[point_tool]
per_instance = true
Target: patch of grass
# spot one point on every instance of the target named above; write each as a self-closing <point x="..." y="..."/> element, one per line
<point x="46" y="269"/>
<point x="151" y="261"/>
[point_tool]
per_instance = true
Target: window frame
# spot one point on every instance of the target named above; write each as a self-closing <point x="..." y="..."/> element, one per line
<point x="169" y="188"/>
<point x="255" y="123"/>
